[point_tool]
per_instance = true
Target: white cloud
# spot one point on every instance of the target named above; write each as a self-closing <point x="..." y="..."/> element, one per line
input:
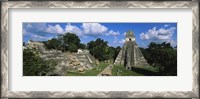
<point x="87" y="29"/>
<point x="166" y="25"/>
<point x="144" y="36"/>
<point x="159" y="35"/>
<point x="173" y="43"/>
<point x="38" y="31"/>
<point x="114" y="34"/>
<point x="169" y="31"/>
<point x="111" y="32"/>
<point x="55" y="29"/>
<point x="122" y="41"/>
<point x="124" y="34"/>
<point x="40" y="28"/>
<point x="37" y="36"/>
<point x="115" y="39"/>
<point x="42" y="31"/>
<point x="73" y="29"/>
<point x="94" y="28"/>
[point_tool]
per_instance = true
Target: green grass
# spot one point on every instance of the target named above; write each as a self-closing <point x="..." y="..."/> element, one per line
<point x="92" y="72"/>
<point x="136" y="71"/>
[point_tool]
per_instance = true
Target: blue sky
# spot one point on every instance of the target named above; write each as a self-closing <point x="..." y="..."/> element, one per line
<point x="114" y="33"/>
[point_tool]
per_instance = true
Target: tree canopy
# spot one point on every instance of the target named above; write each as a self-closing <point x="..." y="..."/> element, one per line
<point x="162" y="56"/>
<point x="34" y="65"/>
<point x="53" y="44"/>
<point x="67" y="42"/>
<point x="100" y="50"/>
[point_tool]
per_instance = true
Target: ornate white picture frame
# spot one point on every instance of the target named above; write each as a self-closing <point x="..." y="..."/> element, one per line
<point x="6" y="5"/>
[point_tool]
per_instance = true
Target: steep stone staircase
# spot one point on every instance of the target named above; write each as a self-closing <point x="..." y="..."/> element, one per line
<point x="86" y="57"/>
<point x="119" y="58"/>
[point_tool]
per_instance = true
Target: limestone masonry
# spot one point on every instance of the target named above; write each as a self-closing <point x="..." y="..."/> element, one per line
<point x="82" y="60"/>
<point x="130" y="54"/>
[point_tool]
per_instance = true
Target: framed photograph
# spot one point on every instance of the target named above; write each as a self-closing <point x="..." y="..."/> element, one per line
<point x="100" y="49"/>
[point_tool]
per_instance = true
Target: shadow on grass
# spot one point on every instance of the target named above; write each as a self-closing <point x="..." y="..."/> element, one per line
<point x="145" y="72"/>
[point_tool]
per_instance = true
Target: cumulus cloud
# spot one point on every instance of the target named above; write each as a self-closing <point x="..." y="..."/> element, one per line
<point x="40" y="30"/>
<point x="94" y="28"/>
<point x="122" y="41"/>
<point x="85" y="29"/>
<point x="144" y="36"/>
<point x="73" y="29"/>
<point x="55" y="29"/>
<point x="159" y="35"/>
<point x="113" y="33"/>
<point x="168" y="32"/>
<point x="91" y="29"/>
<point x="173" y="43"/>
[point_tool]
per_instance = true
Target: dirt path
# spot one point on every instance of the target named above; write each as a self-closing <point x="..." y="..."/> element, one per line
<point x="107" y="70"/>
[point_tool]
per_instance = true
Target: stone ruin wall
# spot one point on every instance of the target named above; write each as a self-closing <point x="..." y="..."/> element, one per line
<point x="137" y="58"/>
<point x="77" y="61"/>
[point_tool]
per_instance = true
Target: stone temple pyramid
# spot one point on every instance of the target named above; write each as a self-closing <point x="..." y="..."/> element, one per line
<point x="130" y="54"/>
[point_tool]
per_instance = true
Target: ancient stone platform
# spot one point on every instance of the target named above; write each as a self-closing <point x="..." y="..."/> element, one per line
<point x="130" y="54"/>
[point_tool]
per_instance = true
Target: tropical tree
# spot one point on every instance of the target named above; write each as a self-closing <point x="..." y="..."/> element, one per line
<point x="66" y="42"/>
<point x="71" y="42"/>
<point x="163" y="56"/>
<point x="72" y="47"/>
<point x="53" y="44"/>
<point x="34" y="65"/>
<point x="82" y="46"/>
<point x="98" y="49"/>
